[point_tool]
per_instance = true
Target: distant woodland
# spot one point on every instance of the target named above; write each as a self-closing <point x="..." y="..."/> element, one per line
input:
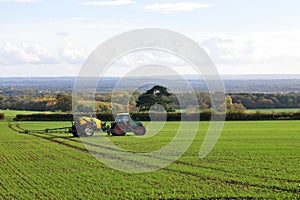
<point x="51" y="100"/>
<point x="55" y="94"/>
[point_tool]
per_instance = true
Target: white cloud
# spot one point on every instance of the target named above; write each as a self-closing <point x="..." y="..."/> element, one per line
<point x="108" y="3"/>
<point x="71" y="54"/>
<point x="148" y="63"/>
<point x="146" y="57"/>
<point x="269" y="52"/>
<point x="173" y="7"/>
<point x="239" y="52"/>
<point x="11" y="54"/>
<point x="255" y="48"/>
<point x="22" y="54"/>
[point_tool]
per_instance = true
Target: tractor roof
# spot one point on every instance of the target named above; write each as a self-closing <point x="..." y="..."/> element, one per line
<point x="122" y="114"/>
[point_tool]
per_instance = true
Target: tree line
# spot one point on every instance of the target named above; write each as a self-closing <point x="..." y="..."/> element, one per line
<point x="137" y="101"/>
<point x="267" y="101"/>
<point x="204" y="116"/>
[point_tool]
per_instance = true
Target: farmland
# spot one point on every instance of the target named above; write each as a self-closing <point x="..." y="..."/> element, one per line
<point x="274" y="110"/>
<point x="13" y="113"/>
<point x="258" y="159"/>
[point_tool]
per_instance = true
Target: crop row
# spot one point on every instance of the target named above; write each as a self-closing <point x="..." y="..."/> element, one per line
<point x="251" y="160"/>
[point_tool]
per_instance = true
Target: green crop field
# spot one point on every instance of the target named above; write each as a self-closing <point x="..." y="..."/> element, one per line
<point x="274" y="110"/>
<point x="13" y="113"/>
<point x="258" y="159"/>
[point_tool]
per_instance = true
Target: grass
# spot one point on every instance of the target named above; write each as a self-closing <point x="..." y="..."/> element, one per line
<point x="274" y="110"/>
<point x="251" y="159"/>
<point x="13" y="113"/>
<point x="260" y="110"/>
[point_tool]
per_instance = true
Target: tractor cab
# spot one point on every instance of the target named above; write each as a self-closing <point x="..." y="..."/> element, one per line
<point x="123" y="118"/>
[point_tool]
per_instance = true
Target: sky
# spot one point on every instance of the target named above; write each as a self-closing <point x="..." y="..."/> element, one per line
<point x="54" y="38"/>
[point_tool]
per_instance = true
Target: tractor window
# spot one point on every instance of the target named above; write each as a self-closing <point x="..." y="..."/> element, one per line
<point x="123" y="118"/>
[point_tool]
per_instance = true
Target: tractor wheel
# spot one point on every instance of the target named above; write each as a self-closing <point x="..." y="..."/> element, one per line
<point x="140" y="130"/>
<point x="118" y="130"/>
<point x="88" y="131"/>
<point x="74" y="132"/>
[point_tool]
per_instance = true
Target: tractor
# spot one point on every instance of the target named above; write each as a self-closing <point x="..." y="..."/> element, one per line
<point x="123" y="123"/>
<point x="86" y="126"/>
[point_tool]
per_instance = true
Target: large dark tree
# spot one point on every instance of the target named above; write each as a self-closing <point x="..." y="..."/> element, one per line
<point x="156" y="95"/>
<point x="64" y="102"/>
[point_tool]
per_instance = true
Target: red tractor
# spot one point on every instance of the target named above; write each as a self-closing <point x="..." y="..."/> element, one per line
<point x="123" y="123"/>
